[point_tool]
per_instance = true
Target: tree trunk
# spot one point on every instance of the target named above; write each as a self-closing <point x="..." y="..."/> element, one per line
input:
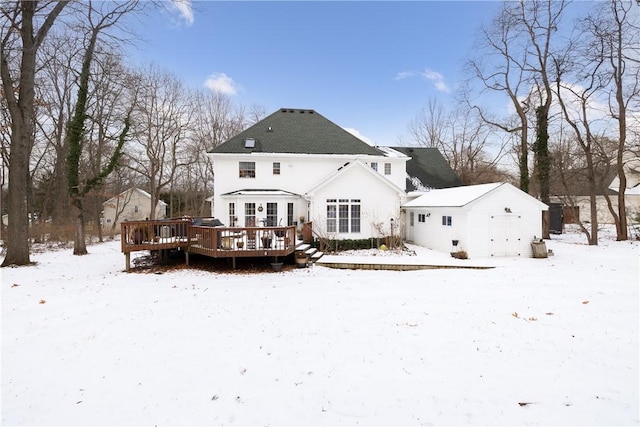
<point x="79" y="244"/>
<point x="21" y="111"/>
<point x="18" y="226"/>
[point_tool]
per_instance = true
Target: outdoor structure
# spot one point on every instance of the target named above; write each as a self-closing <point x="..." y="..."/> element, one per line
<point x="133" y="204"/>
<point x="211" y="238"/>
<point x="295" y="166"/>
<point x="486" y="220"/>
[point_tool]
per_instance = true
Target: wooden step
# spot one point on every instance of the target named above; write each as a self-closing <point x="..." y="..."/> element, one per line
<point x="303" y="247"/>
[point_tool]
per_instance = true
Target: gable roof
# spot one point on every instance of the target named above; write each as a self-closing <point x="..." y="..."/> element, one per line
<point x="462" y="196"/>
<point x="427" y="168"/>
<point x="131" y="190"/>
<point x="351" y="165"/>
<point x="297" y="131"/>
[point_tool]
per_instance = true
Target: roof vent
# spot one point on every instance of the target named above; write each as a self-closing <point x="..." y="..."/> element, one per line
<point x="269" y="129"/>
<point x="249" y="143"/>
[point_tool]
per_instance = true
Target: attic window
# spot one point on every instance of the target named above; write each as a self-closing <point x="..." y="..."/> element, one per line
<point x="249" y="143"/>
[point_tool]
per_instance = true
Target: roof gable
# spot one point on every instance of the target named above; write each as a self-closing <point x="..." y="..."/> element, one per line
<point x="346" y="168"/>
<point x="132" y="190"/>
<point x="427" y="168"/>
<point x="296" y="131"/>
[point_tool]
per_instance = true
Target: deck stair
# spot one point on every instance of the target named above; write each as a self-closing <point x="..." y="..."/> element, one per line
<point x="313" y="254"/>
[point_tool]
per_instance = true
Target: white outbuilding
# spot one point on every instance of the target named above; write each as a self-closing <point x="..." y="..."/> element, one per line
<point x="485" y="220"/>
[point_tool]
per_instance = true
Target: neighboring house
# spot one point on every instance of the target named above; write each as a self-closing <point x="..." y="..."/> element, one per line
<point x="578" y="203"/>
<point x="427" y="169"/>
<point x="484" y="220"/>
<point x="130" y="205"/>
<point x="296" y="165"/>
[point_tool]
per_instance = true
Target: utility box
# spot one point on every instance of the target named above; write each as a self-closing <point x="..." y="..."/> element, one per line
<point x="539" y="249"/>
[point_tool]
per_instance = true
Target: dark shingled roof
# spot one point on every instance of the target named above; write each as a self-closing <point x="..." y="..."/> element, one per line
<point x="430" y="167"/>
<point x="297" y="131"/>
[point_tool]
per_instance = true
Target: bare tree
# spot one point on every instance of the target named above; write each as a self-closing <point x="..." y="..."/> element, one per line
<point x="19" y="44"/>
<point x="99" y="20"/>
<point x="501" y="67"/>
<point x="468" y="143"/>
<point x="161" y="120"/>
<point x="617" y="29"/>
<point x="576" y="104"/>
<point x="55" y="90"/>
<point x="541" y="20"/>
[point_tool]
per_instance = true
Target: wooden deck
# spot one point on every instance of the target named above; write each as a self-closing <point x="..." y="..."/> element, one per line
<point x="215" y="242"/>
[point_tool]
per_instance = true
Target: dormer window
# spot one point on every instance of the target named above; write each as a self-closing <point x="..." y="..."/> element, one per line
<point x="249" y="143"/>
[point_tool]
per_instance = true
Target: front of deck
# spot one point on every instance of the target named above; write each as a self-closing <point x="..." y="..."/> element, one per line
<point x="212" y="241"/>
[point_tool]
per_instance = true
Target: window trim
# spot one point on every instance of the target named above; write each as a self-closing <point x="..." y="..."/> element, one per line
<point x="246" y="169"/>
<point x="344" y="216"/>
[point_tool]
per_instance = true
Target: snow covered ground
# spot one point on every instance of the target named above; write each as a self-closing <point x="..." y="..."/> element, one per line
<point x="533" y="341"/>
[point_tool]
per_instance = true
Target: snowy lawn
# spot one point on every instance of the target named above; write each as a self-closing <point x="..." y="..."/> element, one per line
<point x="533" y="341"/>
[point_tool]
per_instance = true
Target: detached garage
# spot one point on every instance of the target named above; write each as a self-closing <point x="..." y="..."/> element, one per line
<point x="484" y="220"/>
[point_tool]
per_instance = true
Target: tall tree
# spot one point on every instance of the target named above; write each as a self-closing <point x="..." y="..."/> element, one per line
<point x="20" y="42"/>
<point x="501" y="67"/>
<point x="99" y="20"/>
<point x="540" y="21"/>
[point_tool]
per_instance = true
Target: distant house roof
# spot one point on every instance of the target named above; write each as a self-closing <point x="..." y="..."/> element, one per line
<point x="576" y="184"/>
<point x="428" y="168"/>
<point x="130" y="190"/>
<point x="296" y="131"/>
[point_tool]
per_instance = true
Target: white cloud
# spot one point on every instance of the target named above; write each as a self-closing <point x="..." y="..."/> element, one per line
<point x="427" y="74"/>
<point x="404" y="75"/>
<point x="221" y="83"/>
<point x="185" y="10"/>
<point x="437" y="79"/>
<point x="358" y="135"/>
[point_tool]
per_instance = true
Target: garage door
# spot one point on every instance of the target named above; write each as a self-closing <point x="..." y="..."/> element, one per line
<point x="504" y="232"/>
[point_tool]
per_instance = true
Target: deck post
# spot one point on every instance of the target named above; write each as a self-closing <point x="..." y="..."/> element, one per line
<point x="127" y="260"/>
<point x="186" y="257"/>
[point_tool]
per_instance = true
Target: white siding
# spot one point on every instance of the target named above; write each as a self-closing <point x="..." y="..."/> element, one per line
<point x="298" y="175"/>
<point x="379" y="202"/>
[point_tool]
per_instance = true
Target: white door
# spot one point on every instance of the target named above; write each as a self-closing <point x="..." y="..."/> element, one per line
<point x="504" y="232"/>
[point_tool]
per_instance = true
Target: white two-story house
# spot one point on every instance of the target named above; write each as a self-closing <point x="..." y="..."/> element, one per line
<point x="295" y="165"/>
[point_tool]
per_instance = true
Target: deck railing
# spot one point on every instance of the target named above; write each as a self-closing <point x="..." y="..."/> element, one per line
<point x="242" y="241"/>
<point x="206" y="240"/>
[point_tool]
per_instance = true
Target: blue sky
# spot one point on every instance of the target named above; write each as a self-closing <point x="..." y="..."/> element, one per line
<point x="367" y="66"/>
